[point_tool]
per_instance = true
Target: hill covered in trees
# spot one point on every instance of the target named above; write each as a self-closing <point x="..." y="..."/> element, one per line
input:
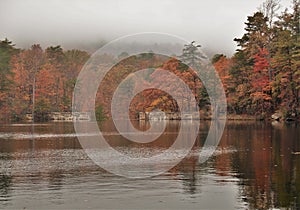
<point x="261" y="78"/>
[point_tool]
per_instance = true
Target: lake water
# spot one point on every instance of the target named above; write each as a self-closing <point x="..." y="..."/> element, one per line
<point x="254" y="167"/>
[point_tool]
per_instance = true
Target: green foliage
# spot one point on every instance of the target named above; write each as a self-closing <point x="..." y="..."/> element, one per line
<point x="216" y="58"/>
<point x="100" y="116"/>
<point x="123" y="55"/>
<point x="203" y="97"/>
<point x="256" y="36"/>
<point x="55" y="55"/>
<point x="268" y="81"/>
<point x="191" y="55"/>
<point x="146" y="56"/>
<point x="7" y="50"/>
<point x="41" y="112"/>
<point x="261" y="77"/>
<point x="182" y="67"/>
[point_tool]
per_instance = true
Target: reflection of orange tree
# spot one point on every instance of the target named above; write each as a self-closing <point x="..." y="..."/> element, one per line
<point x="254" y="165"/>
<point x="267" y="169"/>
<point x="223" y="161"/>
<point x="188" y="167"/>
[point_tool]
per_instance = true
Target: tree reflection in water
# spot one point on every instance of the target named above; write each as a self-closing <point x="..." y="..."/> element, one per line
<point x="256" y="157"/>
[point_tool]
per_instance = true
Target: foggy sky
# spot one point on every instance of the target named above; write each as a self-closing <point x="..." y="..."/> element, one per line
<point x="212" y="23"/>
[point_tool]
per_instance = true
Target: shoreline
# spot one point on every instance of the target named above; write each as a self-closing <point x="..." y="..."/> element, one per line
<point x="229" y="117"/>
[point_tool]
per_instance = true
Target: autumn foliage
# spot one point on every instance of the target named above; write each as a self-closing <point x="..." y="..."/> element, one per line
<point x="51" y="72"/>
<point x="262" y="77"/>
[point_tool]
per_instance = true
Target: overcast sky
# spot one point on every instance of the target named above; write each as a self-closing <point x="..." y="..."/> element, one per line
<point x="212" y="23"/>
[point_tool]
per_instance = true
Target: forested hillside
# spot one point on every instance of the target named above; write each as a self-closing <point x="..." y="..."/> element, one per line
<point x="261" y="78"/>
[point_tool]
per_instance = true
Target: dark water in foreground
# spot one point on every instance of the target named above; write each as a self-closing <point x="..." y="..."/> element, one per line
<point x="253" y="168"/>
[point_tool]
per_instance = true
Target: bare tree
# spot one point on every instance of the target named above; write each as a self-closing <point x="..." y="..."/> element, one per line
<point x="270" y="8"/>
<point x="34" y="61"/>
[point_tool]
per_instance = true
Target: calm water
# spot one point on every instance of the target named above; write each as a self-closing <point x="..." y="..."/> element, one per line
<point x="253" y="168"/>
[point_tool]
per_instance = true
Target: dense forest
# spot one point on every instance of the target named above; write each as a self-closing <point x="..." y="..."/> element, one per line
<point x="261" y="78"/>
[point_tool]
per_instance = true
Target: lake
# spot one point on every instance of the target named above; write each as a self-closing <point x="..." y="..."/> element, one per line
<point x="254" y="167"/>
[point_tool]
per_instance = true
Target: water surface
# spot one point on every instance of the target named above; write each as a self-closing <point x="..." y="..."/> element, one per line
<point x="253" y="167"/>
